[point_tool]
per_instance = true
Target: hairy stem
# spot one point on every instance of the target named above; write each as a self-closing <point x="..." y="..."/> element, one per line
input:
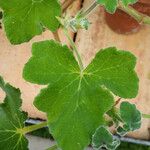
<point x="31" y="128"/>
<point x="141" y="18"/>
<point x="83" y="14"/>
<point x="89" y="10"/>
<point x="147" y="116"/>
<point x="75" y="50"/>
<point x="54" y="147"/>
<point x="56" y="36"/>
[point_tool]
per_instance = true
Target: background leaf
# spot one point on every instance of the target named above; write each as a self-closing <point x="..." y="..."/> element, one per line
<point x="24" y="19"/>
<point x="102" y="138"/>
<point x="131" y="117"/>
<point x="12" y="120"/>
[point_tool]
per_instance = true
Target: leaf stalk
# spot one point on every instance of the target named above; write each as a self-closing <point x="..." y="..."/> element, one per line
<point x="141" y="18"/>
<point x="54" y="147"/>
<point x="89" y="10"/>
<point x="146" y="116"/>
<point x="75" y="50"/>
<point x="31" y="128"/>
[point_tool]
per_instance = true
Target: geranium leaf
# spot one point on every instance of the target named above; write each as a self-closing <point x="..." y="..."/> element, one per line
<point x="76" y="101"/>
<point x="12" y="120"/>
<point x="102" y="138"/>
<point x="110" y="5"/>
<point x="24" y="19"/>
<point x="127" y="2"/>
<point x="131" y="117"/>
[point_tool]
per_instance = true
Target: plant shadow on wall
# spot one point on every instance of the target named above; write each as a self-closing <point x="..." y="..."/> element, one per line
<point x="79" y="102"/>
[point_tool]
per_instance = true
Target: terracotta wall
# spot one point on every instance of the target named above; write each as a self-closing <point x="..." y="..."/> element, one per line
<point x="13" y="58"/>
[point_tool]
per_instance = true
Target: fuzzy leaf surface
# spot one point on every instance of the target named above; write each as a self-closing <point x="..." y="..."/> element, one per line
<point x="24" y="19"/>
<point x="102" y="138"/>
<point x="76" y="101"/>
<point x="131" y="117"/>
<point x="12" y="120"/>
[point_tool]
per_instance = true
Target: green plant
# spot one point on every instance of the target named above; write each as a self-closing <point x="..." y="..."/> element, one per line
<point x="79" y="102"/>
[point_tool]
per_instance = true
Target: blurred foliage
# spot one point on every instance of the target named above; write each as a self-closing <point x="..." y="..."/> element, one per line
<point x="0" y="18"/>
<point x="1" y="15"/>
<point x="130" y="146"/>
<point x="43" y="132"/>
<point x="124" y="146"/>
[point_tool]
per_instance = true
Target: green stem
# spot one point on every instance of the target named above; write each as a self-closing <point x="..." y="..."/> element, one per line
<point x="54" y="147"/>
<point x="31" y="128"/>
<point x="141" y="18"/>
<point x="75" y="50"/>
<point x="89" y="10"/>
<point x="147" y="116"/>
<point x="83" y="14"/>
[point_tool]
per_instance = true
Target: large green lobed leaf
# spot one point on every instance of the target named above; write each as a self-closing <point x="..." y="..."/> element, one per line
<point x="12" y="120"/>
<point x="23" y="19"/>
<point x="76" y="101"/>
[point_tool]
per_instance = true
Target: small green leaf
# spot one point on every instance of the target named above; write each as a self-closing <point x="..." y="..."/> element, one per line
<point x="102" y="138"/>
<point x="127" y="2"/>
<point x="79" y="23"/>
<point x="131" y="117"/>
<point x="12" y="120"/>
<point x="24" y="19"/>
<point x="110" y="5"/>
<point x="76" y="101"/>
